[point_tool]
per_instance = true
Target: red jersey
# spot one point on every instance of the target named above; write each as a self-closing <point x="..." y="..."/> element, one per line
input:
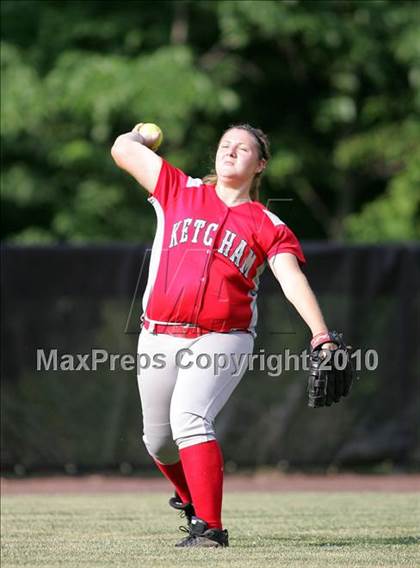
<point x="207" y="257"/>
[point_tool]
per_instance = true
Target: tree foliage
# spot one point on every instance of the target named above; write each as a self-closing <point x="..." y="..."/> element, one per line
<point x="335" y="84"/>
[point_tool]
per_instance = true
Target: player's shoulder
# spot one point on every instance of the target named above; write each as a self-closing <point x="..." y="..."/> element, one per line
<point x="171" y="173"/>
<point x="191" y="182"/>
<point x="272" y="218"/>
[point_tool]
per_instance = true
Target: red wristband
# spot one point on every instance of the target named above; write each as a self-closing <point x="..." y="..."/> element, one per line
<point x="319" y="339"/>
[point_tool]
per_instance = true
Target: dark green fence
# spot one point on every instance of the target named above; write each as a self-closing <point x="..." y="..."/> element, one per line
<point x="75" y="299"/>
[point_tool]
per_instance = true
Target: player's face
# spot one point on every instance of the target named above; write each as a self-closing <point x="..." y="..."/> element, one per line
<point x="237" y="158"/>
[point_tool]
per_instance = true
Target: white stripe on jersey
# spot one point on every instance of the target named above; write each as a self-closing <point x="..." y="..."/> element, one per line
<point x="194" y="182"/>
<point x="276" y="221"/>
<point x="156" y="251"/>
<point x="254" y="294"/>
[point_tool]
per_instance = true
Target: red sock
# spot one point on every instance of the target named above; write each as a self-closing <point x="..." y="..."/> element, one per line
<point x="203" y="467"/>
<point x="175" y="474"/>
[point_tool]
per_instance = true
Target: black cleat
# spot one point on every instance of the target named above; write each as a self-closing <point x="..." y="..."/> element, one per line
<point x="186" y="509"/>
<point x="200" y="535"/>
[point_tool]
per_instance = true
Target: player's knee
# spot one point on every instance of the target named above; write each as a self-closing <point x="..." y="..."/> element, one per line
<point x="162" y="448"/>
<point x="189" y="428"/>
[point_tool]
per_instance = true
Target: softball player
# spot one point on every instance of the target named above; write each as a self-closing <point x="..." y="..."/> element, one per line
<point x="212" y="242"/>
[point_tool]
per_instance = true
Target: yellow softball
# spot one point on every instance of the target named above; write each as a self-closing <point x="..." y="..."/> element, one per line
<point x="153" y="135"/>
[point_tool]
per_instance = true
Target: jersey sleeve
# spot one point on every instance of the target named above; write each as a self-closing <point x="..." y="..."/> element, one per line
<point x="284" y="240"/>
<point x="170" y="184"/>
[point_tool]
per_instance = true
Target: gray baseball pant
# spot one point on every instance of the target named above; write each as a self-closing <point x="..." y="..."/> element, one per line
<point x="183" y="385"/>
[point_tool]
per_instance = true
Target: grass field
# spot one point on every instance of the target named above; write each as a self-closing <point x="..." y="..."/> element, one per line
<point x="266" y="530"/>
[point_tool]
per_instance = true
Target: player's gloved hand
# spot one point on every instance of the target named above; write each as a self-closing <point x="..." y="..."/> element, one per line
<point x="331" y="371"/>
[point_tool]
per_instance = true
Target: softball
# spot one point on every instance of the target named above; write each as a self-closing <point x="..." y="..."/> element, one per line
<point x="152" y="134"/>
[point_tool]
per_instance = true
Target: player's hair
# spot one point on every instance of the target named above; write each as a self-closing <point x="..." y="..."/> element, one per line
<point x="263" y="145"/>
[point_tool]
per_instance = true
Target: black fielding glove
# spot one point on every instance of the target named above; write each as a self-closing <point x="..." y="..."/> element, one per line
<point x="327" y="383"/>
